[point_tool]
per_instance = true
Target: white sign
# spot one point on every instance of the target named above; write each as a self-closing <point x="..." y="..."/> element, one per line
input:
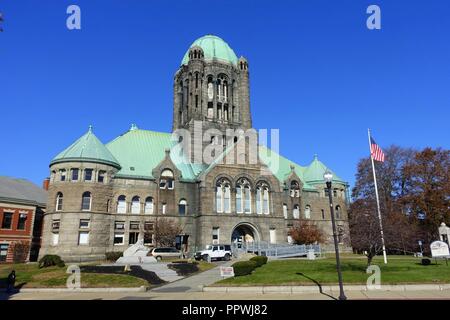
<point x="226" y="271"/>
<point x="439" y="249"/>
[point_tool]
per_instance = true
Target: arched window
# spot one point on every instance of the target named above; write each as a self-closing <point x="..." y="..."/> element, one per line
<point x="308" y="212"/>
<point x="295" y="189"/>
<point x="59" y="201"/>
<point x="285" y="210"/>
<point x="86" y="201"/>
<point x="338" y="212"/>
<point x="148" y="205"/>
<point x="223" y="196"/>
<point x="239" y="199"/>
<point x="122" y="204"/>
<point x="136" y="205"/>
<point x="182" y="207"/>
<point x="243" y="196"/>
<point x="262" y="199"/>
<point x="296" y="212"/>
<point x="247" y="200"/>
<point x="166" y="181"/>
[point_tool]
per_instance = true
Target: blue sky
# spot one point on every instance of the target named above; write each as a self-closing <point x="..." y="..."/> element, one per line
<point x="317" y="73"/>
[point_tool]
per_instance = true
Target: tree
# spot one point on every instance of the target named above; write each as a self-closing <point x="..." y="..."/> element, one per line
<point x="306" y="232"/>
<point x="165" y="232"/>
<point x="20" y="251"/>
<point x="427" y="184"/>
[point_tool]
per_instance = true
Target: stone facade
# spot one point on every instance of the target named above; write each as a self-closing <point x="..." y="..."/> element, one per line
<point x="215" y="94"/>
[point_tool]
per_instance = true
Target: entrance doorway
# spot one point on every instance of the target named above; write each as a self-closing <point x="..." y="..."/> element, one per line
<point x="243" y="233"/>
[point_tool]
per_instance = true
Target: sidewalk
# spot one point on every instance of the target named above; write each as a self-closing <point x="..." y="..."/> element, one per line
<point x="194" y="283"/>
<point x="194" y="295"/>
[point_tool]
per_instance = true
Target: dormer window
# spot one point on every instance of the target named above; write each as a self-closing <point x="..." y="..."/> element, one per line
<point x="295" y="189"/>
<point x="166" y="181"/>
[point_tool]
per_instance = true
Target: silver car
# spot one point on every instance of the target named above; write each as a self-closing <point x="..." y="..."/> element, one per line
<point x="165" y="252"/>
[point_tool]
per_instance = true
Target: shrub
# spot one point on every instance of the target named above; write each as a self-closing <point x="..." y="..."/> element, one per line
<point x="426" y="262"/>
<point x="113" y="256"/>
<point x="260" y="260"/>
<point x="51" y="260"/>
<point x="243" y="268"/>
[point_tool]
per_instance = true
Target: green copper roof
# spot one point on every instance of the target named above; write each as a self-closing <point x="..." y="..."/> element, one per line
<point x="213" y="47"/>
<point x="314" y="172"/>
<point x="140" y="151"/>
<point x="283" y="169"/>
<point x="87" y="148"/>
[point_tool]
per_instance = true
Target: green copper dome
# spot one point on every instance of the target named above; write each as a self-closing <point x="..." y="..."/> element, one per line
<point x="88" y="148"/>
<point x="213" y="47"/>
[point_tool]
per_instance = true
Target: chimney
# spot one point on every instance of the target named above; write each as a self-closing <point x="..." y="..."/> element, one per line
<point x="46" y="183"/>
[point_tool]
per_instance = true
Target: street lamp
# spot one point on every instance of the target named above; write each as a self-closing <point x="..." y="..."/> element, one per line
<point x="328" y="177"/>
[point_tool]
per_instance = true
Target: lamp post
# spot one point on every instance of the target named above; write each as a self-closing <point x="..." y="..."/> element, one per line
<point x="328" y="177"/>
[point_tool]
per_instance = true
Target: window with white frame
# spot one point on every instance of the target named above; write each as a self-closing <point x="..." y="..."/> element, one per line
<point x="223" y="196"/>
<point x="59" y="201"/>
<point x="296" y="212"/>
<point x="119" y="225"/>
<point x="101" y="176"/>
<point x="262" y="198"/>
<point x="88" y="174"/>
<point x="55" y="238"/>
<point x="273" y="235"/>
<point x="119" y="238"/>
<point x="243" y="194"/>
<point x="164" y="208"/>
<point x="84" y="223"/>
<point x="239" y="208"/>
<point x="295" y="189"/>
<point x="167" y="180"/>
<point x="148" y="205"/>
<point x="182" y="206"/>
<point x="308" y="212"/>
<point x="83" y="237"/>
<point x="215" y="235"/>
<point x="62" y="174"/>
<point x="75" y="174"/>
<point x="285" y="210"/>
<point x="122" y="204"/>
<point x="86" y="201"/>
<point x="338" y="212"/>
<point x="135" y="205"/>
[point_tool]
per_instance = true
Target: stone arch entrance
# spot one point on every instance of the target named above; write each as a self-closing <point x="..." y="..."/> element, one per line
<point x="244" y="232"/>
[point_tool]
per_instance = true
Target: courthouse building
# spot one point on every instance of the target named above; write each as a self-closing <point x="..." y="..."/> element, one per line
<point x="104" y="197"/>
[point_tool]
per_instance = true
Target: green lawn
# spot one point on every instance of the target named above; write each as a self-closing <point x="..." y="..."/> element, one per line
<point x="400" y="269"/>
<point x="30" y="276"/>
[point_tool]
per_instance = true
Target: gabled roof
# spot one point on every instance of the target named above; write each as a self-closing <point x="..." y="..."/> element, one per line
<point x="21" y="191"/>
<point x="283" y="169"/>
<point x="88" y="148"/>
<point x="137" y="152"/>
<point x="140" y="151"/>
<point x="313" y="174"/>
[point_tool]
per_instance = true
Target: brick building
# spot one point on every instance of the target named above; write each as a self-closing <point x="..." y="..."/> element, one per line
<point x="22" y="205"/>
<point x="103" y="197"/>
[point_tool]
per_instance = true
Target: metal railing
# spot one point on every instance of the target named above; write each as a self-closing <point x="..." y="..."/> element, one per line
<point x="274" y="250"/>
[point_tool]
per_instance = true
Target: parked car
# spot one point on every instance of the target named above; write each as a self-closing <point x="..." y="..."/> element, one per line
<point x="165" y="252"/>
<point x="215" y="252"/>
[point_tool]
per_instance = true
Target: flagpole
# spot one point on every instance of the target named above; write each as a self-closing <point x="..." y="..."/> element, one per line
<point x="378" y="200"/>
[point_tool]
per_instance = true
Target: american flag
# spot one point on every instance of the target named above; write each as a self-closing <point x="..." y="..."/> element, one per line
<point x="375" y="151"/>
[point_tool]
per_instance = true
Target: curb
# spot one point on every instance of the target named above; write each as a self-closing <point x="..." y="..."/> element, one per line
<point x="81" y="290"/>
<point x="326" y="288"/>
